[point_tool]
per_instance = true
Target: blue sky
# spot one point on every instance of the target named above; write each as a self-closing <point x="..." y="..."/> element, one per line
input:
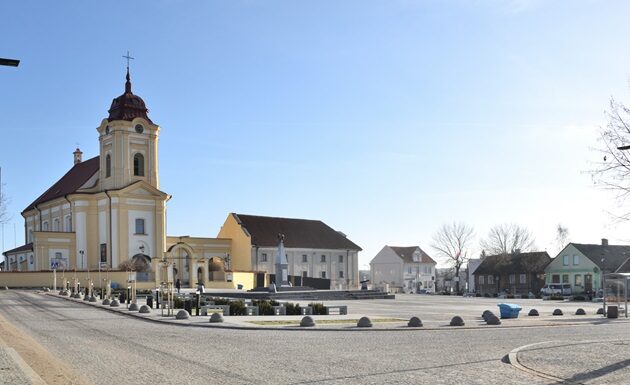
<point x="384" y="119"/>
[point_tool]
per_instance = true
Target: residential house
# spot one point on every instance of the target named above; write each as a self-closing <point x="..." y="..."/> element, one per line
<point x="516" y="273"/>
<point x="472" y="265"/>
<point x="581" y="265"/>
<point x="408" y="268"/>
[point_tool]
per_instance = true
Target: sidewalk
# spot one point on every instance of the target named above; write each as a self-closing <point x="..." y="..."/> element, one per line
<point x="14" y="371"/>
<point x="339" y="322"/>
<point x="586" y="362"/>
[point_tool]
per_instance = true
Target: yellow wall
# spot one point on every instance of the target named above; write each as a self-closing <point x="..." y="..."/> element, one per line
<point x="241" y="244"/>
<point x="247" y="279"/>
<point x="45" y="278"/>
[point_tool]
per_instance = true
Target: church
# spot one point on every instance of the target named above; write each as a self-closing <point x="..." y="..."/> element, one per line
<point x="107" y="214"/>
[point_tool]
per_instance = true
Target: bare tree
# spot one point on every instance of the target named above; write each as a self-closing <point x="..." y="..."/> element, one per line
<point x="452" y="242"/>
<point x="4" y="215"/>
<point x="612" y="172"/>
<point x="507" y="239"/>
<point x="562" y="236"/>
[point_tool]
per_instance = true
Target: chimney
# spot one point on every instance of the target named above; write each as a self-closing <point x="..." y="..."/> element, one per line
<point x="77" y="156"/>
<point x="604" y="242"/>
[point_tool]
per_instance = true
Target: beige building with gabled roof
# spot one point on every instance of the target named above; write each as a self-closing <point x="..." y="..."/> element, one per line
<point x="408" y="268"/>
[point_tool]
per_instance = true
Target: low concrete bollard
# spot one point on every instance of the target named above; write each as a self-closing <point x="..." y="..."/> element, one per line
<point x="364" y="322"/>
<point x="216" y="318"/>
<point x="487" y="314"/>
<point x="92" y="299"/>
<point x="182" y="314"/>
<point x="558" y="312"/>
<point x="600" y="310"/>
<point x="493" y="320"/>
<point x="114" y="303"/>
<point x="76" y="295"/>
<point x="46" y="290"/>
<point x="307" y="321"/>
<point x="457" y="321"/>
<point x="106" y="301"/>
<point x="580" y="311"/>
<point x="145" y="309"/>
<point x="414" y="322"/>
<point x="133" y="307"/>
<point x="533" y="313"/>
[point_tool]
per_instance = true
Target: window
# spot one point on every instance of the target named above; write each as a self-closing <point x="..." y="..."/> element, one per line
<point x="565" y="278"/>
<point x="138" y="165"/>
<point x="304" y="258"/>
<point x="305" y="274"/>
<point x="512" y="278"/>
<point x="565" y="260"/>
<point x="45" y="226"/>
<point x="323" y="258"/>
<point x="578" y="280"/>
<point x="523" y="278"/>
<point x="576" y="259"/>
<point x="491" y="280"/>
<point x="140" y="226"/>
<point x="108" y="166"/>
<point x="104" y="252"/>
<point x="263" y="257"/>
<point x="30" y="235"/>
<point x="67" y="223"/>
<point x="409" y="270"/>
<point x="340" y="273"/>
<point x="481" y="280"/>
<point x="341" y="259"/>
<point x="323" y="274"/>
<point x="555" y="278"/>
<point x="30" y="259"/>
<point x="56" y="224"/>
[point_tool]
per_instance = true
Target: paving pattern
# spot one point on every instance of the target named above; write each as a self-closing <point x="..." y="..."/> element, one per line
<point x="109" y="348"/>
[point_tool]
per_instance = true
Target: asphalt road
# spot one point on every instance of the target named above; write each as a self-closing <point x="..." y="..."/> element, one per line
<point x="107" y="348"/>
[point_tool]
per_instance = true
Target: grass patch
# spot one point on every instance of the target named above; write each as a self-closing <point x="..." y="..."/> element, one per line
<point x="322" y="321"/>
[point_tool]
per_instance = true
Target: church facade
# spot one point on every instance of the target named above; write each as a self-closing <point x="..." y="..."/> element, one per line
<point x="108" y="213"/>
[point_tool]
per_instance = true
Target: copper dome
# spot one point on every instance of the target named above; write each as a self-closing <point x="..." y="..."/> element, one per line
<point x="128" y="106"/>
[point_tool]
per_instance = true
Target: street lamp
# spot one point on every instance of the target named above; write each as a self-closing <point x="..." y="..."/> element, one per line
<point x="9" y="62"/>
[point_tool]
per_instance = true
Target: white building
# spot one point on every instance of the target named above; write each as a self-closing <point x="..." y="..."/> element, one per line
<point x="472" y="266"/>
<point x="407" y="267"/>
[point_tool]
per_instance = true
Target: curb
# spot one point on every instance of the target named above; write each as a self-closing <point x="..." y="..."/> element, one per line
<point x="28" y="372"/>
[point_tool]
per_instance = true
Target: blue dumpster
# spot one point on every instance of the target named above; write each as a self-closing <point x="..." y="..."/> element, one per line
<point x="509" y="310"/>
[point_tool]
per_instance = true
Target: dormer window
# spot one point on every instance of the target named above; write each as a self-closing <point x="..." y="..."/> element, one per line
<point x="138" y="165"/>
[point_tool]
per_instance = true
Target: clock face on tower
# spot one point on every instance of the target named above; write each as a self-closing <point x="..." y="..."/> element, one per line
<point x="139" y="128"/>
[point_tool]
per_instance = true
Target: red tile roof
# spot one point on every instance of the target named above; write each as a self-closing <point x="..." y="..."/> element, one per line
<point x="406" y="253"/>
<point x="69" y="183"/>
<point x="27" y="247"/>
<point x="299" y="233"/>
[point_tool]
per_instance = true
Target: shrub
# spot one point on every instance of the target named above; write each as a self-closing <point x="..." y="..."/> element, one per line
<point x="495" y="295"/>
<point x="318" y="308"/>
<point x="478" y="295"/>
<point x="538" y="296"/>
<point x="293" y="308"/>
<point x="487" y="295"/>
<point x="510" y="296"/>
<point x="265" y="307"/>
<point x="556" y="298"/>
<point x="237" y="307"/>
<point x="579" y="298"/>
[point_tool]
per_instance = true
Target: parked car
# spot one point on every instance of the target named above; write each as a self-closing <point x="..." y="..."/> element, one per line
<point x="556" y="289"/>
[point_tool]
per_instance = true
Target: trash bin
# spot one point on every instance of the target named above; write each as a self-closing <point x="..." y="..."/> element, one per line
<point x="613" y="311"/>
<point x="239" y="286"/>
<point x="150" y="301"/>
<point x="509" y="310"/>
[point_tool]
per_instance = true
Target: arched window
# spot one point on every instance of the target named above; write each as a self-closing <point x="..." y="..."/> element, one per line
<point x="67" y="226"/>
<point x="56" y="224"/>
<point x="138" y="165"/>
<point x="108" y="166"/>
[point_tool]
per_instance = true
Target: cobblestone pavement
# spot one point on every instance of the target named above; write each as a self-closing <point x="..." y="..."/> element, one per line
<point x="109" y="348"/>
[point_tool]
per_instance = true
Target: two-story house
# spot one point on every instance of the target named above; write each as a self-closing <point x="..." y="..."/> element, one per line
<point x="409" y="268"/>
<point x="581" y="265"/>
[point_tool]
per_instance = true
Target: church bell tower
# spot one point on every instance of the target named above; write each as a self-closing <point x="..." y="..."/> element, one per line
<point x="128" y="142"/>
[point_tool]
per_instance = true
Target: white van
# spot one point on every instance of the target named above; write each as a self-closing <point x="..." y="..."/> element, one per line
<point x="556" y="289"/>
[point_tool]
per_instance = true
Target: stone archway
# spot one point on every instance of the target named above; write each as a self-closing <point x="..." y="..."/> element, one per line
<point x="216" y="269"/>
<point x="182" y="255"/>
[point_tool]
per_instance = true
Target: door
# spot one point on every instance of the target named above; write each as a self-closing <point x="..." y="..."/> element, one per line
<point x="588" y="283"/>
